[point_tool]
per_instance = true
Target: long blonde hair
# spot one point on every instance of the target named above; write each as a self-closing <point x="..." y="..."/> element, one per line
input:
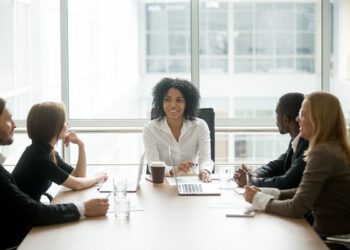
<point x="328" y="120"/>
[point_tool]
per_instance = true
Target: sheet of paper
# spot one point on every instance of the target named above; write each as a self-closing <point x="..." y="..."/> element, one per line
<point x="239" y="190"/>
<point x="183" y="179"/>
<point x="228" y="203"/>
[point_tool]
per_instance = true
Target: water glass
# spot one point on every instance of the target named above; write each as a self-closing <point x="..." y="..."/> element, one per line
<point x="225" y="177"/>
<point x="120" y="186"/>
<point x="121" y="206"/>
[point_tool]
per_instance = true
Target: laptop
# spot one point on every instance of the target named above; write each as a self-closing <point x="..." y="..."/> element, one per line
<point x="132" y="187"/>
<point x="185" y="188"/>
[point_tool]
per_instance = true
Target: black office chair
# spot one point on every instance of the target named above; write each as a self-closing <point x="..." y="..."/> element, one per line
<point x="208" y="115"/>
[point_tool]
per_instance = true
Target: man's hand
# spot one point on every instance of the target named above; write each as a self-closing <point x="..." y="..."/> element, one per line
<point x="240" y="177"/>
<point x="96" y="207"/>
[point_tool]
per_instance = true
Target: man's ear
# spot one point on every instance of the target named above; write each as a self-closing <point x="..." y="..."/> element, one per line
<point x="286" y="120"/>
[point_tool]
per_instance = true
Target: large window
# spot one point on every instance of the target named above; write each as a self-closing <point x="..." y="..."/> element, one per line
<point x="167" y="33"/>
<point x="263" y="50"/>
<point x="30" y="53"/>
<point x="250" y="52"/>
<point x="340" y="64"/>
<point x="114" y="45"/>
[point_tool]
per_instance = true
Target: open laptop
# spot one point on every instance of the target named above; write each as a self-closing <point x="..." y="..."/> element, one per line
<point x="185" y="188"/>
<point x="132" y="187"/>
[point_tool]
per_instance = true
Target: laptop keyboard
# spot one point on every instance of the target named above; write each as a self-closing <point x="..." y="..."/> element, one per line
<point x="191" y="188"/>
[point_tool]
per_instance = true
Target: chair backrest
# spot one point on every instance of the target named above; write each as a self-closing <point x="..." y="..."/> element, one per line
<point x="208" y="115"/>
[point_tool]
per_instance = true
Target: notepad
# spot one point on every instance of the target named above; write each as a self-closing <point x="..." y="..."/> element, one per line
<point x="240" y="213"/>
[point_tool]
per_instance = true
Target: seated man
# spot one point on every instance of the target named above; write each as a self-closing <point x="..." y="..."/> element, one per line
<point x="287" y="170"/>
<point x="19" y="212"/>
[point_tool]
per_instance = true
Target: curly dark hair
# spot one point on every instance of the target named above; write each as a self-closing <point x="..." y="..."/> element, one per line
<point x="188" y="90"/>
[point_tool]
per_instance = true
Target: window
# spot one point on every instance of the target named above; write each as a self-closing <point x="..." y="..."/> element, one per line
<point x="267" y="49"/>
<point x="340" y="58"/>
<point x="167" y="34"/>
<point x="30" y="53"/>
<point x="250" y="53"/>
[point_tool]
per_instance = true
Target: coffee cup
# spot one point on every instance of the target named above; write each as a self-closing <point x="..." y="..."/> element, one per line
<point x="157" y="170"/>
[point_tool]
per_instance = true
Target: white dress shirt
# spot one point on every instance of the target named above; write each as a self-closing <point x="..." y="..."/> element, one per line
<point x="193" y="144"/>
<point x="295" y="142"/>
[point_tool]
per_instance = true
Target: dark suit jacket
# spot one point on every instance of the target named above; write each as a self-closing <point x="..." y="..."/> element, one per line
<point x="19" y="212"/>
<point x="286" y="171"/>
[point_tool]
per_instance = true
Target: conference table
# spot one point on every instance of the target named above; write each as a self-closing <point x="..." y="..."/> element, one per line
<point x="161" y="219"/>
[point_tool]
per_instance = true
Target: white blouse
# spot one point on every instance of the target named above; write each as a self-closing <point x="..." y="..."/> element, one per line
<point x="193" y="144"/>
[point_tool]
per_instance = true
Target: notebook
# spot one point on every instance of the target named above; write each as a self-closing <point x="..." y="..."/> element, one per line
<point x="195" y="188"/>
<point x="132" y="187"/>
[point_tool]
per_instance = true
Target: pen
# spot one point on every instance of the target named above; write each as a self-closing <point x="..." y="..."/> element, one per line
<point x="247" y="176"/>
<point x="249" y="170"/>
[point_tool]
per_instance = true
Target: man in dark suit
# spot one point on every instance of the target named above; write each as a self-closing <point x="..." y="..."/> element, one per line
<point x="19" y="212"/>
<point x="286" y="171"/>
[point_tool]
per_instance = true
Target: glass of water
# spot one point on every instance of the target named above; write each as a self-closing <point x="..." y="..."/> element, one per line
<point x="121" y="206"/>
<point x="226" y="177"/>
<point x="120" y="185"/>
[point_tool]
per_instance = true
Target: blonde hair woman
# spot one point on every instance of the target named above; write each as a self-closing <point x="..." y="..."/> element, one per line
<point x="324" y="188"/>
<point x="40" y="164"/>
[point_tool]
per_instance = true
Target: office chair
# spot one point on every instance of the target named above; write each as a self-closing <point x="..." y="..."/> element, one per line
<point x="208" y="115"/>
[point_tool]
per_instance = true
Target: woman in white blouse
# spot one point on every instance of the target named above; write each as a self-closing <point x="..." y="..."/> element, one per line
<point x="175" y="135"/>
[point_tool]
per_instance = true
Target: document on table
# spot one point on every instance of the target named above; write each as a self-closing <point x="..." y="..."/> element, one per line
<point x="183" y="179"/>
<point x="221" y="203"/>
<point x="239" y="190"/>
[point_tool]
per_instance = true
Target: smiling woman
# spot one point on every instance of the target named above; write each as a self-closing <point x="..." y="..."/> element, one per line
<point x="176" y="129"/>
<point x="326" y="178"/>
<point x="305" y="121"/>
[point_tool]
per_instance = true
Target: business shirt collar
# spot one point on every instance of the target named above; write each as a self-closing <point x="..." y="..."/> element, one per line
<point x="2" y="159"/>
<point x="163" y="125"/>
<point x="295" y="142"/>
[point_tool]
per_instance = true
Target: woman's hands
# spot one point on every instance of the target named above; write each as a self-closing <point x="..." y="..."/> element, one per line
<point x="187" y="168"/>
<point x="101" y="177"/>
<point x="72" y="137"/>
<point x="204" y="175"/>
<point x="250" y="192"/>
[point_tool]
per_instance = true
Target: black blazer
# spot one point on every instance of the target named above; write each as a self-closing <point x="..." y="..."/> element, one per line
<point x="19" y="212"/>
<point x="285" y="172"/>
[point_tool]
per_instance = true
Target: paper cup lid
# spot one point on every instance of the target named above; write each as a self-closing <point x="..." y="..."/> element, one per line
<point x="157" y="164"/>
